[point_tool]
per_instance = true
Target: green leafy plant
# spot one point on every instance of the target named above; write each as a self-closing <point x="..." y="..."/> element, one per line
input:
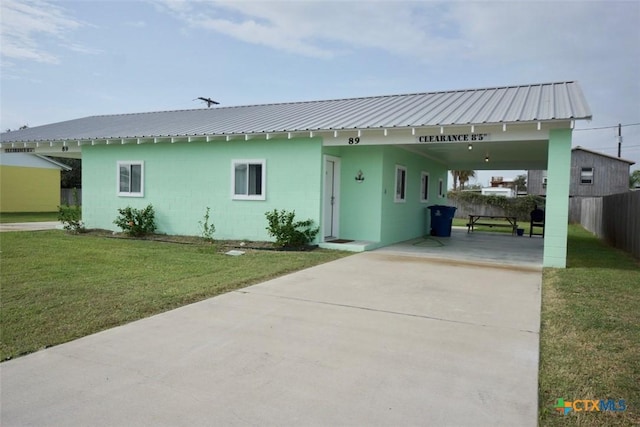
<point x="136" y="222"/>
<point x="71" y="215"/>
<point x="206" y="229"/>
<point x="634" y="179"/>
<point x="290" y="234"/>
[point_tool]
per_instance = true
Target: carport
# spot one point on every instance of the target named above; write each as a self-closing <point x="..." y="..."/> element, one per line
<point x="510" y="145"/>
<point x="513" y="128"/>
<point x="535" y="146"/>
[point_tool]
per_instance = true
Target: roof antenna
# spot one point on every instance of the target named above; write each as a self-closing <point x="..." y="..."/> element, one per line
<point x="209" y="101"/>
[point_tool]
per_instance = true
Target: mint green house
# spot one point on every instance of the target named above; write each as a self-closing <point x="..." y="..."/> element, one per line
<point x="362" y="169"/>
<point x="242" y="179"/>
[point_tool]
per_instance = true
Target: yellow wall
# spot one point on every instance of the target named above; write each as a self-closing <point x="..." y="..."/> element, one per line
<point x="29" y="189"/>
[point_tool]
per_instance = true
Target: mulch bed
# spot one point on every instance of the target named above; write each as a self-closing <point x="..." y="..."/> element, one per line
<point x="221" y="245"/>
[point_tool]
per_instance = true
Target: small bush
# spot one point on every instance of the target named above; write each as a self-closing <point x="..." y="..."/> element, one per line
<point x="136" y="222"/>
<point x="290" y="234"/>
<point x="71" y="216"/>
<point x="206" y="229"/>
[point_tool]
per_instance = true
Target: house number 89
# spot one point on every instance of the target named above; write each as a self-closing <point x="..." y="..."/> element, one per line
<point x="355" y="140"/>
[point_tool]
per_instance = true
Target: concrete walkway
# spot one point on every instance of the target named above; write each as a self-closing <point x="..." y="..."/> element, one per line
<point x="30" y="226"/>
<point x="371" y="339"/>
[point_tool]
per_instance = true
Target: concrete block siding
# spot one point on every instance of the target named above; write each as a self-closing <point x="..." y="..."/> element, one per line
<point x="181" y="180"/>
<point x="368" y="210"/>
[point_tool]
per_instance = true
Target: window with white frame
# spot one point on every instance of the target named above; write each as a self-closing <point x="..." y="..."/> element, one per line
<point x="586" y="176"/>
<point x="440" y="188"/>
<point x="248" y="179"/>
<point x="401" y="184"/>
<point x="424" y="186"/>
<point x="131" y="178"/>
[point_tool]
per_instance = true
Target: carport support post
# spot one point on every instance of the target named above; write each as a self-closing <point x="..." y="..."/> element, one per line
<point x="557" y="203"/>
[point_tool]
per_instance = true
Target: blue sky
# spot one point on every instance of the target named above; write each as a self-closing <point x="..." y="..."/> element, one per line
<point x="67" y="59"/>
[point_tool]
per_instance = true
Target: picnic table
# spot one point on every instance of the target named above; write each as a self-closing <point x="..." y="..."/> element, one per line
<point x="507" y="221"/>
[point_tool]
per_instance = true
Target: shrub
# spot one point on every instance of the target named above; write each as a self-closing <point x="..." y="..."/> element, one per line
<point x="136" y="222"/>
<point x="71" y="216"/>
<point x="206" y="229"/>
<point x="290" y="234"/>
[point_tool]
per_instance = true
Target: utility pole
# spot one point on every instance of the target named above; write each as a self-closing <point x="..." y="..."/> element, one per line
<point x="619" y="139"/>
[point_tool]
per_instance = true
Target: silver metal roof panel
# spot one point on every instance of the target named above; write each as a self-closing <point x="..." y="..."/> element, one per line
<point x="509" y="104"/>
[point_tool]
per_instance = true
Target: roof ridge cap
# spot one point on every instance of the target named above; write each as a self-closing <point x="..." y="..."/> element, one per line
<point x="338" y="99"/>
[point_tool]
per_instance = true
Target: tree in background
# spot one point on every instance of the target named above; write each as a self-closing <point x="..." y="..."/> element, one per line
<point x="634" y="179"/>
<point x="462" y="177"/>
<point x="72" y="178"/>
<point x="454" y="175"/>
<point x="520" y="183"/>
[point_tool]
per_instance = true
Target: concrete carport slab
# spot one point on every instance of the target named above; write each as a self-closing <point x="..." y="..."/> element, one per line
<point x="477" y="247"/>
<point x="371" y="339"/>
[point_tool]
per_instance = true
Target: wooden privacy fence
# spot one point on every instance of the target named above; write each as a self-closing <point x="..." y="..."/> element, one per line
<point x="575" y="209"/>
<point x="66" y="196"/>
<point x="615" y="219"/>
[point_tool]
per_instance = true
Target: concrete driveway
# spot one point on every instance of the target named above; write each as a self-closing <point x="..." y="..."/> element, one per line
<point x="371" y="339"/>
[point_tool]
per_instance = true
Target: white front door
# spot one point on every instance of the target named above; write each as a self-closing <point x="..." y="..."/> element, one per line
<point x="331" y="201"/>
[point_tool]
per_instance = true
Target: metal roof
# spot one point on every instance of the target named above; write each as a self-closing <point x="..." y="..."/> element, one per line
<point x="509" y="104"/>
<point x="586" y="150"/>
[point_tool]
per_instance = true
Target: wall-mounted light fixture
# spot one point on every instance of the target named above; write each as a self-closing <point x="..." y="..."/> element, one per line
<point x="359" y="176"/>
<point x="470" y="147"/>
<point x="486" y="158"/>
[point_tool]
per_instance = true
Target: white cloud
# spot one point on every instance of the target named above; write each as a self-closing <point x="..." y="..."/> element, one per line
<point x="136" y="24"/>
<point x="501" y="32"/>
<point x="80" y="48"/>
<point x="321" y="29"/>
<point x="546" y="30"/>
<point x="30" y="25"/>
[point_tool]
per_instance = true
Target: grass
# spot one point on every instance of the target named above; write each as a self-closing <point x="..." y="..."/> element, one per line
<point x="57" y="287"/>
<point x="9" y="217"/>
<point x="590" y="333"/>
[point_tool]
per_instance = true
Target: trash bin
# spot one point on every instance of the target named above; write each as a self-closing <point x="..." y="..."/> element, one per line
<point x="441" y="220"/>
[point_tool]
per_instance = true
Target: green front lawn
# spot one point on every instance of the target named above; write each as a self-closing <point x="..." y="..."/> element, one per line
<point x="590" y="334"/>
<point x="9" y="217"/>
<point x="57" y="287"/>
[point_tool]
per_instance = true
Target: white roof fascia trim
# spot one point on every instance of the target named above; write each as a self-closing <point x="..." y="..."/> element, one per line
<point x="60" y="165"/>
